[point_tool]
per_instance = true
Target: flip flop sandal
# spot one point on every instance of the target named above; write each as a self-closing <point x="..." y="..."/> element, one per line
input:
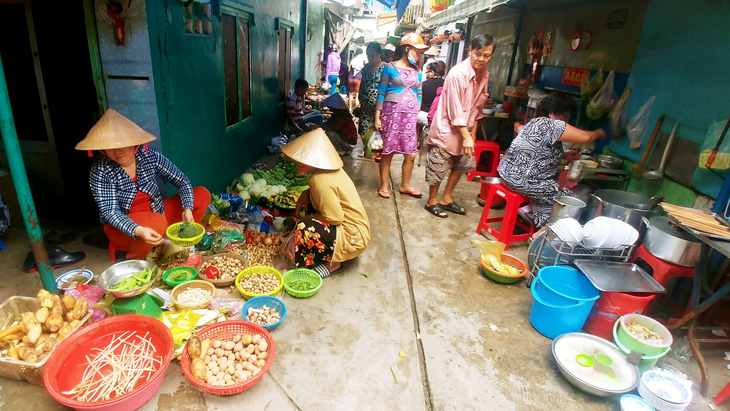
<point x="437" y="210"/>
<point x="414" y="193"/>
<point x="383" y="194"/>
<point x="454" y="208"/>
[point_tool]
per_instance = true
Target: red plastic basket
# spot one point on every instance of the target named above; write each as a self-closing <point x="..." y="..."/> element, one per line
<point x="68" y="361"/>
<point x="225" y="331"/>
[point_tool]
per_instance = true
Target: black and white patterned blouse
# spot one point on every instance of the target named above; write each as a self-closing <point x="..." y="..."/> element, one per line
<point x="534" y="154"/>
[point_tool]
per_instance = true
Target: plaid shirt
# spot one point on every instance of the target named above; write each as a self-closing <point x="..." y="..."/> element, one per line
<point x="114" y="191"/>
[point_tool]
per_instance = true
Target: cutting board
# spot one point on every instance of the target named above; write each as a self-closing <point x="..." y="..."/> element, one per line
<point x="682" y="161"/>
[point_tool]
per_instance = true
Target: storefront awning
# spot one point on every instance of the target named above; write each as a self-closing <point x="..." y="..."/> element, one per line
<point x="387" y="3"/>
<point x="460" y="11"/>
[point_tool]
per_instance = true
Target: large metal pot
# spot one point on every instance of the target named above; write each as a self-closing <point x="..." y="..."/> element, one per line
<point x="566" y="207"/>
<point x="669" y="243"/>
<point x="624" y="206"/>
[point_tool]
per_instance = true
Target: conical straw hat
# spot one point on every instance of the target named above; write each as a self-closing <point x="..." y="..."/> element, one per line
<point x="315" y="150"/>
<point x="335" y="101"/>
<point x="113" y="130"/>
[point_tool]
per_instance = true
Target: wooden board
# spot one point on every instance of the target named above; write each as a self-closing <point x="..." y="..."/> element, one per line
<point x="682" y="160"/>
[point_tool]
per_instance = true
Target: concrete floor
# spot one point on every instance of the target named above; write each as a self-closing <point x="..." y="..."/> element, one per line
<point x="418" y="289"/>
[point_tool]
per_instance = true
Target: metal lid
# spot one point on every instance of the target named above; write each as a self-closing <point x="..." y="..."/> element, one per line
<point x="664" y="225"/>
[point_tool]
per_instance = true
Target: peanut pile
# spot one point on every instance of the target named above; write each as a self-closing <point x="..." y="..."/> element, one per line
<point x="260" y="283"/>
<point x="261" y="254"/>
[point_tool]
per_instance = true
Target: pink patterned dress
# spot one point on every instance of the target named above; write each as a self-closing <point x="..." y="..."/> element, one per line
<point x="399" y="119"/>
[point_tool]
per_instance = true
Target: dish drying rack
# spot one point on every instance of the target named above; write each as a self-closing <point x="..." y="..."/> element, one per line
<point x="574" y="251"/>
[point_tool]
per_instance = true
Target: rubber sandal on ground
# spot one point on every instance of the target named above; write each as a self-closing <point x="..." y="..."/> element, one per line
<point x="436" y="210"/>
<point x="413" y="193"/>
<point x="325" y="272"/>
<point x="384" y="194"/>
<point x="454" y="208"/>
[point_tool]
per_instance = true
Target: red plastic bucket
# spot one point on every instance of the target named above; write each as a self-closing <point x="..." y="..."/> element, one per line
<point x="610" y="307"/>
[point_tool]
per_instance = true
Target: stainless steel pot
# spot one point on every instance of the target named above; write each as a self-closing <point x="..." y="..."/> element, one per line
<point x="669" y="243"/>
<point x="566" y="207"/>
<point x="624" y="206"/>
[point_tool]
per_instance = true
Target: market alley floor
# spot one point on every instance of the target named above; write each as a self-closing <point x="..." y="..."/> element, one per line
<point x="418" y="293"/>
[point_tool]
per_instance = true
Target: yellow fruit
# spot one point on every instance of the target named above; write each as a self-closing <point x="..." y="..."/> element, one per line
<point x="504" y="270"/>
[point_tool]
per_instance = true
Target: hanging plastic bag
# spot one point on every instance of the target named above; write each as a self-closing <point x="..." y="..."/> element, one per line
<point x="722" y="158"/>
<point x="603" y="100"/>
<point x="590" y="87"/>
<point x="376" y="142"/>
<point x="637" y="126"/>
<point x="619" y="115"/>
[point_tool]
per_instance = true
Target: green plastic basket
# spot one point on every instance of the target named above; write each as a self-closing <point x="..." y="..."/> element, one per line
<point x="302" y="274"/>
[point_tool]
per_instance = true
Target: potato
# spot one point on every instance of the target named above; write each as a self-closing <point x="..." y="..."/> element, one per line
<point x="42" y="315"/>
<point x="54" y="323"/>
<point x="198" y="369"/>
<point x="219" y="352"/>
<point x="250" y="349"/>
<point x="264" y="355"/>
<point x="237" y="338"/>
<point x="230" y="370"/>
<point x="256" y="338"/>
<point x="228" y="345"/>
<point x="247" y="339"/>
<point x="217" y="344"/>
<point x="194" y="347"/>
<point x="35" y="333"/>
<point x="68" y="302"/>
<point x="263" y="345"/>
<point x="80" y="308"/>
<point x="260" y="363"/>
<point x="45" y="298"/>
<point x="58" y="307"/>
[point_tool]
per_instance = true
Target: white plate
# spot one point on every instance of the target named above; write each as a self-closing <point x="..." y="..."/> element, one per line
<point x="666" y="387"/>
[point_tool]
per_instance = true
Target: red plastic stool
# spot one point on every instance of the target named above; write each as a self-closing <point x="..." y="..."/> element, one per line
<point x="505" y="234"/>
<point x="492" y="151"/>
<point x="112" y="252"/>
<point x="662" y="273"/>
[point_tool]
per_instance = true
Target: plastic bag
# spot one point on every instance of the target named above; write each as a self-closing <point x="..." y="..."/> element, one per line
<point x="590" y="87"/>
<point x="92" y="295"/>
<point x="603" y="100"/>
<point x="234" y="305"/>
<point x="618" y="115"/>
<point x="277" y="142"/>
<point x="637" y="126"/>
<point x="376" y="142"/>
<point x="722" y="158"/>
<point x="326" y="86"/>
<point x="491" y="256"/>
<point x="366" y="142"/>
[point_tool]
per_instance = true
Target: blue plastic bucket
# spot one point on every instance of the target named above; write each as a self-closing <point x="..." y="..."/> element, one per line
<point x="566" y="283"/>
<point x="552" y="320"/>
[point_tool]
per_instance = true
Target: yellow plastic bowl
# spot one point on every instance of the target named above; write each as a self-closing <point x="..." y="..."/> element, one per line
<point x="258" y="269"/>
<point x="173" y="230"/>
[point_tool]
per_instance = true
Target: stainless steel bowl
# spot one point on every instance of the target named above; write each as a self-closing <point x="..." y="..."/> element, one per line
<point x="609" y="162"/>
<point x="120" y="271"/>
<point x="585" y="386"/>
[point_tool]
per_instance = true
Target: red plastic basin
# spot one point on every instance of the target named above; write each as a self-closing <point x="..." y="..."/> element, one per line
<point x="66" y="365"/>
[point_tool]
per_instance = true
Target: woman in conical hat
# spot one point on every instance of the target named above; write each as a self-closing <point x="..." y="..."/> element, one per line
<point x="339" y="230"/>
<point x="123" y="183"/>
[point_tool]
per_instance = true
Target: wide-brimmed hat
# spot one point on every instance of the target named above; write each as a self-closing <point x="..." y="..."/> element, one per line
<point x="432" y="51"/>
<point x="315" y="150"/>
<point x="335" y="101"/>
<point x="413" y="40"/>
<point x="113" y="130"/>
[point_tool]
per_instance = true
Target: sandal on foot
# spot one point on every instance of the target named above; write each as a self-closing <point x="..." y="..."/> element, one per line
<point x="412" y="193"/>
<point x="384" y="194"/>
<point x="436" y="210"/>
<point x="454" y="208"/>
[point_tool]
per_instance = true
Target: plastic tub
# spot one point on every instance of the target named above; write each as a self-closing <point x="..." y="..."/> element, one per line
<point x="647" y="361"/>
<point x="269" y="301"/>
<point x="552" y="320"/>
<point x="610" y="307"/>
<point x="66" y="365"/>
<point x="567" y="282"/>
<point x="644" y="348"/>
<point x="503" y="278"/>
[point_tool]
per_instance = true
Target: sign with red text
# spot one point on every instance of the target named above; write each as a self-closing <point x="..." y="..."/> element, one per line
<point x="573" y="76"/>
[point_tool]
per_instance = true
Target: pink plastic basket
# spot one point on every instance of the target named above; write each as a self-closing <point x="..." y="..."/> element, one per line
<point x="225" y="331"/>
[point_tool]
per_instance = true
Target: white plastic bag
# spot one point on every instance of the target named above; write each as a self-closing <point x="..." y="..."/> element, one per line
<point x="602" y="102"/>
<point x="618" y="115"/>
<point x="326" y="86"/>
<point x="637" y="126"/>
<point x="376" y="142"/>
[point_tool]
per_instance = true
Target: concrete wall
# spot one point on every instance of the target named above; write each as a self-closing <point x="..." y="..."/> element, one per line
<point x="315" y="40"/>
<point x="682" y="58"/>
<point x="188" y="70"/>
<point x="502" y="24"/>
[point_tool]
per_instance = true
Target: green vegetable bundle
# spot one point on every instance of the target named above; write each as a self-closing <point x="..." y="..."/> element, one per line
<point x="134" y="281"/>
<point x="187" y="230"/>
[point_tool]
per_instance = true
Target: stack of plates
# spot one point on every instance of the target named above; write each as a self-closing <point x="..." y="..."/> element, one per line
<point x="568" y="230"/>
<point x="664" y="391"/>
<point x="604" y="232"/>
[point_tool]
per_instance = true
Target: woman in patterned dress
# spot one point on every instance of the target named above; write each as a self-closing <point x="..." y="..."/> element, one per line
<point x="369" y="85"/>
<point x="530" y="166"/>
<point x="396" y="112"/>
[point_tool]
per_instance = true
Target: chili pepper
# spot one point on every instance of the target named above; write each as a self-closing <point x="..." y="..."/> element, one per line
<point x="212" y="272"/>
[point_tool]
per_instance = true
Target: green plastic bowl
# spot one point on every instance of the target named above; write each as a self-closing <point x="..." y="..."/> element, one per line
<point x="502" y="278"/>
<point x="171" y="273"/>
<point x="647" y="361"/>
<point x="302" y="274"/>
<point x="644" y="348"/>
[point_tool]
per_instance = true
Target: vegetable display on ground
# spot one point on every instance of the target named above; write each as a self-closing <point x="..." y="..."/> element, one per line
<point x="227" y="362"/>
